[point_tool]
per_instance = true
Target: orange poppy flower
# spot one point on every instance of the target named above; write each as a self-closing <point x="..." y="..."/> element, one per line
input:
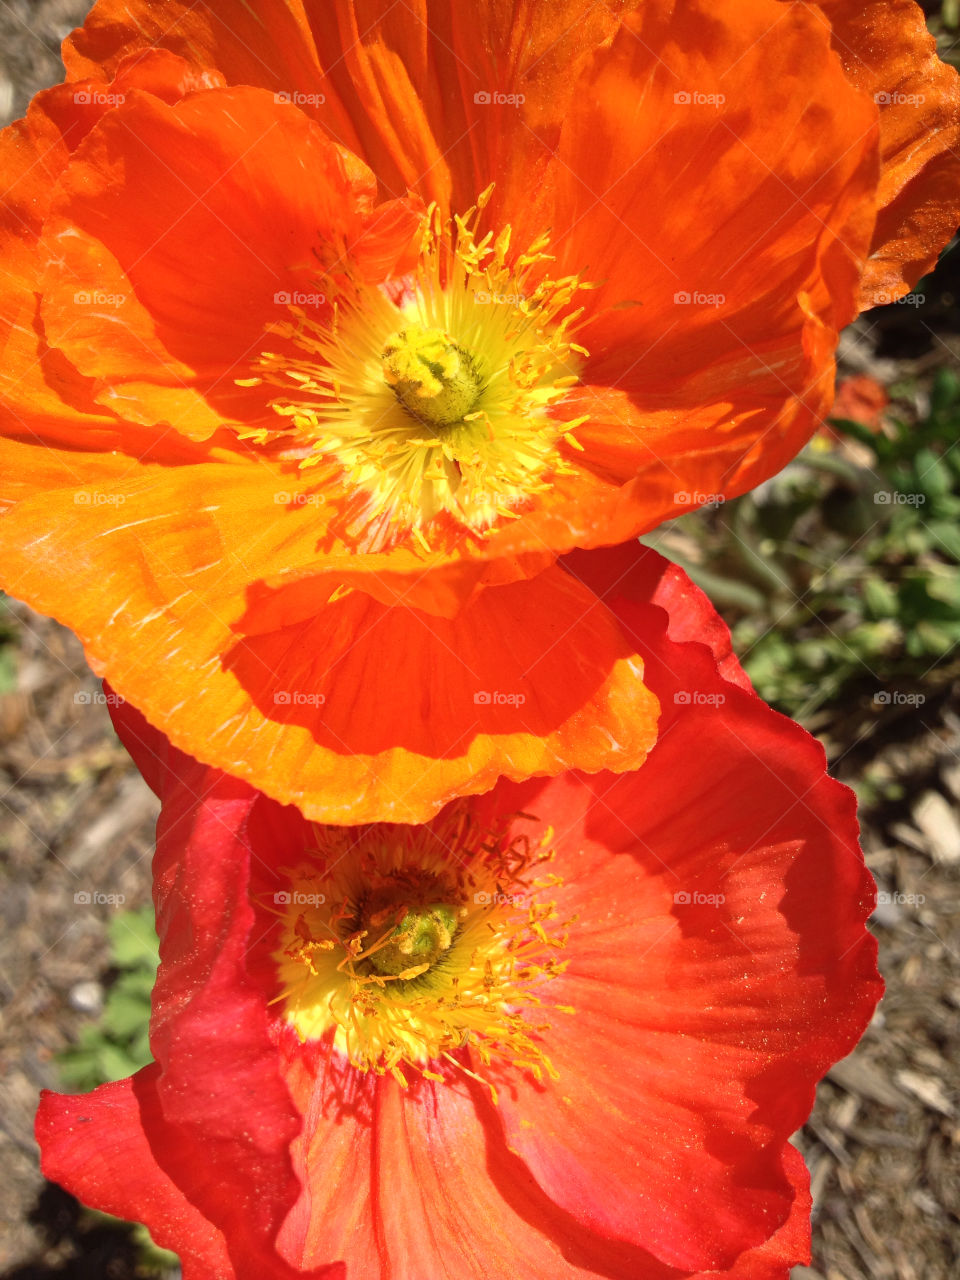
<point x="563" y="1031"/>
<point x="887" y="52"/>
<point x="859" y="399"/>
<point x="328" y="327"/>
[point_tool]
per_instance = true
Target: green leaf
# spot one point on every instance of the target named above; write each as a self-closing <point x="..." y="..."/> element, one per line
<point x="124" y="1015"/>
<point x="931" y="639"/>
<point x="945" y="391"/>
<point x="856" y="430"/>
<point x="944" y="537"/>
<point x="879" y="597"/>
<point x="945" y="587"/>
<point x="8" y="668"/>
<point x="115" y="1063"/>
<point x="932" y="474"/>
<point x="133" y="939"/>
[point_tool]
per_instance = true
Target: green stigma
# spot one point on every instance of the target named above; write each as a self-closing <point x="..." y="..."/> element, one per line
<point x="431" y="376"/>
<point x="418" y="941"/>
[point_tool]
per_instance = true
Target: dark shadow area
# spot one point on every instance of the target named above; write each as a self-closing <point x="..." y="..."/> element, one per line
<point x="77" y="1244"/>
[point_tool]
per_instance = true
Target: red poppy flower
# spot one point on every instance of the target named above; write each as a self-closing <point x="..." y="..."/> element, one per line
<point x="328" y="327"/>
<point x="565" y="1029"/>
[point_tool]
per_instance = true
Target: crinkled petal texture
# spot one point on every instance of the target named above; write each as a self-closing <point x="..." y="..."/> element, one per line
<point x="728" y="250"/>
<point x="352" y="708"/>
<point x="711" y="341"/>
<point x="887" y="52"/>
<point x="359" y="687"/>
<point x="714" y="172"/>
<point x="171" y="233"/>
<point x="717" y="965"/>
<point x="412" y="89"/>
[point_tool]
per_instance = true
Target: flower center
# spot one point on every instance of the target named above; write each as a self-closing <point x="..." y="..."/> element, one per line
<point x="411" y="943"/>
<point x="433" y="378"/>
<point x="421" y="938"/>
<point x="434" y="404"/>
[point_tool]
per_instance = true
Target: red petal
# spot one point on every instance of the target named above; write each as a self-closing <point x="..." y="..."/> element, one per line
<point x="96" y="1146"/>
<point x="699" y="1031"/>
<point x="701" y="1028"/>
<point x="220" y="1119"/>
<point x="445" y="1166"/>
<point x="648" y="576"/>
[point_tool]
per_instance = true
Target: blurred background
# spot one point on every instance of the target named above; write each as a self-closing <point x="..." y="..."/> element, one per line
<point x="841" y="580"/>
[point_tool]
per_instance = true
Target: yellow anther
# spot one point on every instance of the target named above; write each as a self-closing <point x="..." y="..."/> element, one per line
<point x="454" y="901"/>
<point x="438" y="406"/>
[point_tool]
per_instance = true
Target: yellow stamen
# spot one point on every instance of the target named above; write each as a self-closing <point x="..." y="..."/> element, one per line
<point x="416" y="941"/>
<point x="437" y="404"/>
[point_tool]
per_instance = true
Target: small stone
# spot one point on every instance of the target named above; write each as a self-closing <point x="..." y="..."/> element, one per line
<point x="862" y="1078"/>
<point x="86" y="997"/>
<point x="936" y="818"/>
<point x="887" y="913"/>
<point x="929" y="1090"/>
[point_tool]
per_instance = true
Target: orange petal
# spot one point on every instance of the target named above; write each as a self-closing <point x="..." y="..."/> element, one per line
<point x="179" y="232"/>
<point x="440" y="99"/>
<point x="887" y="52"/>
<point x="268" y="45"/>
<point x="729" y="250"/>
<point x="447" y="98"/>
<point x="656" y="447"/>
<point x="41" y="393"/>
<point x="719" y="166"/>
<point x="39" y="390"/>
<point x="353" y="710"/>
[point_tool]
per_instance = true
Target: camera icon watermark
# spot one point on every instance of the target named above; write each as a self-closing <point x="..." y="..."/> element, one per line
<point x="98" y="98"/>
<point x="284" y="498"/>
<point x="686" y="298"/>
<point x="94" y="898"/>
<point x="694" y="498"/>
<point x="897" y="698"/>
<point x="295" y="898"/>
<point x="484" y="899"/>
<point x="97" y="298"/>
<point x="882" y="299"/>
<point x="897" y="99"/>
<point x="84" y="698"/>
<point x="297" y="298"/>
<point x="298" y="698"/>
<point x="97" y="498"/>
<point x="694" y="98"/>
<point x="486" y="698"/>
<point x="696" y="698"/>
<point x="482" y="299"/>
<point x="493" y="98"/>
<point x="894" y="498"/>
<point x="694" y="898"/>
<point x="300" y="99"/>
